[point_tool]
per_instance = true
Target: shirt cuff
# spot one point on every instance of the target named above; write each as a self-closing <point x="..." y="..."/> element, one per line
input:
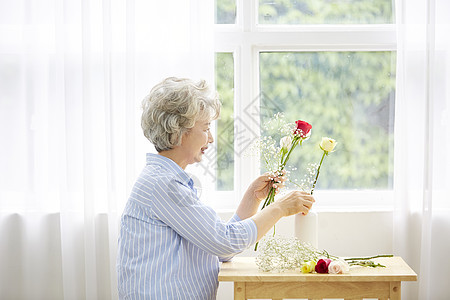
<point x="249" y="225"/>
<point x="235" y="218"/>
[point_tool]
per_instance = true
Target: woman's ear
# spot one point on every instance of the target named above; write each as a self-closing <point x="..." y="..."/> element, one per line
<point x="184" y="135"/>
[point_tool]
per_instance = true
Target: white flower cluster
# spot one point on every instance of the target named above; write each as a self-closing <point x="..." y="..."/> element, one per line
<point x="267" y="146"/>
<point x="270" y="153"/>
<point x="278" y="254"/>
<point x="279" y="124"/>
<point x="307" y="182"/>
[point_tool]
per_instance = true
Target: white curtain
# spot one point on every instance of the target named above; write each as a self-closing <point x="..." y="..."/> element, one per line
<point x="72" y="75"/>
<point x="422" y="180"/>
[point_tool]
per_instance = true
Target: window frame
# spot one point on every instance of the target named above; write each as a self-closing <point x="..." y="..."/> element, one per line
<point x="246" y="39"/>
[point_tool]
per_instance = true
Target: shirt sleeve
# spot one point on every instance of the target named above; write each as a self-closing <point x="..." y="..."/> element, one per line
<point x="235" y="218"/>
<point x="178" y="206"/>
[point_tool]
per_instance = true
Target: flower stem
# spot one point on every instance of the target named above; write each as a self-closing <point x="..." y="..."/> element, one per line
<point x="368" y="258"/>
<point x="366" y="261"/>
<point x="270" y="197"/>
<point x="317" y="174"/>
<point x="294" y="144"/>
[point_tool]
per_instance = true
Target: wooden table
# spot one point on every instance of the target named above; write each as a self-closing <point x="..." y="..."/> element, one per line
<point x="359" y="283"/>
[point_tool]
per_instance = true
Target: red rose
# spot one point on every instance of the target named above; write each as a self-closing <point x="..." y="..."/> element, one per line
<point x="322" y="265"/>
<point x="302" y="128"/>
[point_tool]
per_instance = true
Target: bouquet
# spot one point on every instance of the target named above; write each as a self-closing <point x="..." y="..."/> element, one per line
<point x="288" y="143"/>
<point x="276" y="157"/>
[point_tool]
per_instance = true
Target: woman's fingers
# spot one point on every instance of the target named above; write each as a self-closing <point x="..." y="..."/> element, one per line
<point x="297" y="202"/>
<point x="277" y="180"/>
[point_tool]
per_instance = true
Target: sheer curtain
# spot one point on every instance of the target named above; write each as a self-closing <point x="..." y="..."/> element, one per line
<point x="422" y="180"/>
<point x="72" y="75"/>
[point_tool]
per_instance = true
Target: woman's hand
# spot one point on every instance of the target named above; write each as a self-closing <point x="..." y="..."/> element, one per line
<point x="290" y="204"/>
<point x="261" y="186"/>
<point x="257" y="191"/>
<point x="295" y="202"/>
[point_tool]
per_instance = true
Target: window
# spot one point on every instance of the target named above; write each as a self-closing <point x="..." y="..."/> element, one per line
<point x="225" y="137"/>
<point x="331" y="63"/>
<point x="325" y="12"/>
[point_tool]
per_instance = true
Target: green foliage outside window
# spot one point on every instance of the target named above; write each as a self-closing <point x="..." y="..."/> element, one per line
<point x="348" y="96"/>
<point x="225" y="124"/>
<point x="225" y="12"/>
<point x="325" y="11"/>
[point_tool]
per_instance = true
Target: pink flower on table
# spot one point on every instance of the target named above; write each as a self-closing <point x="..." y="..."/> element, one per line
<point x="322" y="265"/>
<point x="338" y="267"/>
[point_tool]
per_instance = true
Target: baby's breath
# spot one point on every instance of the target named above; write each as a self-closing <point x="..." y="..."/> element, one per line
<point x="308" y="178"/>
<point x="270" y="153"/>
<point x="279" y="125"/>
<point x="278" y="254"/>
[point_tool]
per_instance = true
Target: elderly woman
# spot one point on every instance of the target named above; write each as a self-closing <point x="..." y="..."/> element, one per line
<point x="170" y="243"/>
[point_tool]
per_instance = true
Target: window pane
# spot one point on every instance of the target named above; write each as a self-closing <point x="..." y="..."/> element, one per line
<point x="348" y="96"/>
<point x="225" y="12"/>
<point x="225" y="124"/>
<point x="326" y="11"/>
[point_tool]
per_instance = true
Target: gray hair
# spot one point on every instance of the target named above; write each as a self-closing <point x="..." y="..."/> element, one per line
<point x="172" y="108"/>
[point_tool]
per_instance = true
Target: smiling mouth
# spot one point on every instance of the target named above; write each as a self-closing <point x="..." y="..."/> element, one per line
<point x="204" y="149"/>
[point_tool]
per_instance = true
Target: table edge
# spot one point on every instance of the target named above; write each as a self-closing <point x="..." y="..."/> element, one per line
<point x="299" y="277"/>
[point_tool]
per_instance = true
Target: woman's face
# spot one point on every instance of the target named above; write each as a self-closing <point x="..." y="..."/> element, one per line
<point x="195" y="142"/>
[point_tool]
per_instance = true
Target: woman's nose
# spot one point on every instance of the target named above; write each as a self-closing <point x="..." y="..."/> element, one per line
<point x="210" y="137"/>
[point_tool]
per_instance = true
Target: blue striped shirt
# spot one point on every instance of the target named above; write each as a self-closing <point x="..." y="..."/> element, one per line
<point x="170" y="244"/>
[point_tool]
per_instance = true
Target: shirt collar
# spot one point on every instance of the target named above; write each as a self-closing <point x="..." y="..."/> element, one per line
<point x="171" y="166"/>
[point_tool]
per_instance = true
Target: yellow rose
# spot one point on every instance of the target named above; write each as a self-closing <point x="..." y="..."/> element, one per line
<point x="327" y="144"/>
<point x="308" y="267"/>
